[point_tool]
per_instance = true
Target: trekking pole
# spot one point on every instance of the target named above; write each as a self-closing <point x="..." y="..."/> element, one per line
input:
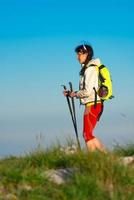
<point x="74" y="116"/>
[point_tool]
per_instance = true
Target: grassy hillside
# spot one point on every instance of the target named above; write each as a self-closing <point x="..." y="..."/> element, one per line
<point x="98" y="176"/>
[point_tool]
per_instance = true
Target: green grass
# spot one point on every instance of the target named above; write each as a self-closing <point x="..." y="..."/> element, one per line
<point x="99" y="176"/>
<point x="127" y="150"/>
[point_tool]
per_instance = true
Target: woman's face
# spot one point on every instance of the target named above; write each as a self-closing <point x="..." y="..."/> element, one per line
<point x="82" y="57"/>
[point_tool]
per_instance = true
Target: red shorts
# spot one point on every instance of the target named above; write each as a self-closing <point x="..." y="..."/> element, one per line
<point x="91" y="116"/>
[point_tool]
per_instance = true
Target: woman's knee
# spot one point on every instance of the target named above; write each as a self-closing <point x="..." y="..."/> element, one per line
<point x="88" y="136"/>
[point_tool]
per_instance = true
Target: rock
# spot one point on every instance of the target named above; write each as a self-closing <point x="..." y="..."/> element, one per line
<point x="11" y="197"/>
<point x="128" y="160"/>
<point x="60" y="176"/>
<point x="25" y="187"/>
<point x="70" y="149"/>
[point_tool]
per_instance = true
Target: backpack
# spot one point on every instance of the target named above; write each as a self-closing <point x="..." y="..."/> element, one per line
<point x="105" y="83"/>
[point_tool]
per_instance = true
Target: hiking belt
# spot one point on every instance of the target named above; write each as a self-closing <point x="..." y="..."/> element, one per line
<point x="92" y="103"/>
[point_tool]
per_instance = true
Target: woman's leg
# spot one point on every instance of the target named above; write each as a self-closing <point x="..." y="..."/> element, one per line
<point x="90" y="119"/>
<point x="95" y="144"/>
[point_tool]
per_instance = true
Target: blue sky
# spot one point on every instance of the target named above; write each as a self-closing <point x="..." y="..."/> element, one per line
<point x="37" y="41"/>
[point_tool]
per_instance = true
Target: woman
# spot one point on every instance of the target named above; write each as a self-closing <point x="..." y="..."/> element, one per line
<point x="87" y="95"/>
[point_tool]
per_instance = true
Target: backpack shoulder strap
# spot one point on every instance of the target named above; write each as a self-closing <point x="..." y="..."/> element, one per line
<point x="101" y="66"/>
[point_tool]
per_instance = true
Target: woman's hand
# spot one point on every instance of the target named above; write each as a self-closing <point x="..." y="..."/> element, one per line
<point x="70" y="94"/>
<point x="73" y="94"/>
<point x="66" y="93"/>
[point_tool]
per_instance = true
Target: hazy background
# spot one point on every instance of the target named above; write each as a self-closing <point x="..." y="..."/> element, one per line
<point x="37" y="41"/>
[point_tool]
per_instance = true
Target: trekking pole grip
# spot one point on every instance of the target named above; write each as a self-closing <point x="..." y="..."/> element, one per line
<point x="64" y="87"/>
